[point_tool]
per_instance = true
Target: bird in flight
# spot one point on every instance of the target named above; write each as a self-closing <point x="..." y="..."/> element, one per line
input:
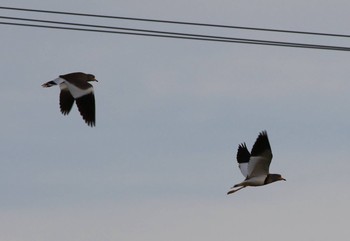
<point x="75" y="87"/>
<point x="255" y="165"/>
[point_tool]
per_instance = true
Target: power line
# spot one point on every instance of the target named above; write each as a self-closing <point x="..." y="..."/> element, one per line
<point x="204" y="37"/>
<point x="120" y="28"/>
<point x="193" y="37"/>
<point x="176" y="22"/>
<point x="153" y="33"/>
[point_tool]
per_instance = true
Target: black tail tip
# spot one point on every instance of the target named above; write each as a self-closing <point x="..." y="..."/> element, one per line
<point x="48" y="84"/>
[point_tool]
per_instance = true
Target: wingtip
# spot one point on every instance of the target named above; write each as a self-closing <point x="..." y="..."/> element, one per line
<point x="242" y="145"/>
<point x="65" y="112"/>
<point x="91" y="124"/>
<point x="263" y="133"/>
<point x="261" y="144"/>
<point x="243" y="154"/>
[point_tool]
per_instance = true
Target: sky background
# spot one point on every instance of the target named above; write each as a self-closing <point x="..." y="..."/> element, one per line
<point x="170" y="115"/>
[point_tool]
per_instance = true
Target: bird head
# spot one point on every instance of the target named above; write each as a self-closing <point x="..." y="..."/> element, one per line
<point x="280" y="178"/>
<point x="91" y="77"/>
<point x="274" y="178"/>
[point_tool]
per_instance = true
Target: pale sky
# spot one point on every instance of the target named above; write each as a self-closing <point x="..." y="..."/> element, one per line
<point x="170" y="116"/>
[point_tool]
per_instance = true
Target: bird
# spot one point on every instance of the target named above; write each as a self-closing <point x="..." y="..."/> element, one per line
<point x="75" y="87"/>
<point x="255" y="165"/>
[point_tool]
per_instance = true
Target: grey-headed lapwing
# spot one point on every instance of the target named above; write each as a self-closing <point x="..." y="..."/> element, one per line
<point x="255" y="165"/>
<point x="75" y="86"/>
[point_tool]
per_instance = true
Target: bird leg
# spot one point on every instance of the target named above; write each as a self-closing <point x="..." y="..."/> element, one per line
<point x="235" y="190"/>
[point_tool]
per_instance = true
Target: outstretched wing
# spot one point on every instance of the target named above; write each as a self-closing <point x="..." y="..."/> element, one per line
<point x="243" y="157"/>
<point x="261" y="156"/>
<point x="66" y="101"/>
<point x="86" y="106"/>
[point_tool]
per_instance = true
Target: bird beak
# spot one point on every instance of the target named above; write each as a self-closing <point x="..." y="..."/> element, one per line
<point x="283" y="179"/>
<point x="96" y="80"/>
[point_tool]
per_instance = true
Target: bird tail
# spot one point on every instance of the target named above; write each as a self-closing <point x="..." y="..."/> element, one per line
<point x="233" y="190"/>
<point x="49" y="84"/>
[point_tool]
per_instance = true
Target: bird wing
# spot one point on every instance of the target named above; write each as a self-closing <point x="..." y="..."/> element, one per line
<point x="243" y="156"/>
<point x="261" y="156"/>
<point x="86" y="106"/>
<point x="66" y="99"/>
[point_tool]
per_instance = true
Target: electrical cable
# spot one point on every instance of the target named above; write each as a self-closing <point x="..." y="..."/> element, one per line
<point x="213" y="38"/>
<point x="157" y="32"/>
<point x="176" y="22"/>
<point x="164" y="34"/>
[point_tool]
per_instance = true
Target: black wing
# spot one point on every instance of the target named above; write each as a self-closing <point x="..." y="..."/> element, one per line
<point x="262" y="146"/>
<point x="66" y="101"/>
<point x="243" y="157"/>
<point x="243" y="154"/>
<point x="261" y="156"/>
<point x="86" y="106"/>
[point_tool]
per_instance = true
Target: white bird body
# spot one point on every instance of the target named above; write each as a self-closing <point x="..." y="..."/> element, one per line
<point x="255" y="165"/>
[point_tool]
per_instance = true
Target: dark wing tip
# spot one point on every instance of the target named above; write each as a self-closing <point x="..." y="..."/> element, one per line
<point x="243" y="154"/>
<point x="261" y="144"/>
<point x="263" y="133"/>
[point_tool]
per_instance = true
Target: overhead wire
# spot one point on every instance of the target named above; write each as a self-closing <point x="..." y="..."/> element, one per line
<point x="175" y="22"/>
<point x="162" y="34"/>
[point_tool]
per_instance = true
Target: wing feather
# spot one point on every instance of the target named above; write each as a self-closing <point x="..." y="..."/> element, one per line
<point x="86" y="106"/>
<point x="66" y="101"/>
<point x="261" y="156"/>
<point x="243" y="157"/>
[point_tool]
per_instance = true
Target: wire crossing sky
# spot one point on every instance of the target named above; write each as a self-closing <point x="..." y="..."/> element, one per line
<point x="165" y="34"/>
<point x="176" y="22"/>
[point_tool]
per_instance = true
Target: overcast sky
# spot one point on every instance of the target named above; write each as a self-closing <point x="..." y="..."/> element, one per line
<point x="170" y="116"/>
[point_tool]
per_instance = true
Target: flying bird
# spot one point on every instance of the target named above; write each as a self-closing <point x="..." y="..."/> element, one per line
<point x="255" y="165"/>
<point x="75" y="86"/>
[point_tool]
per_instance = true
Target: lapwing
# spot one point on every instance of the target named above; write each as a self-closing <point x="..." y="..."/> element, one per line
<point x="75" y="86"/>
<point x="255" y="165"/>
